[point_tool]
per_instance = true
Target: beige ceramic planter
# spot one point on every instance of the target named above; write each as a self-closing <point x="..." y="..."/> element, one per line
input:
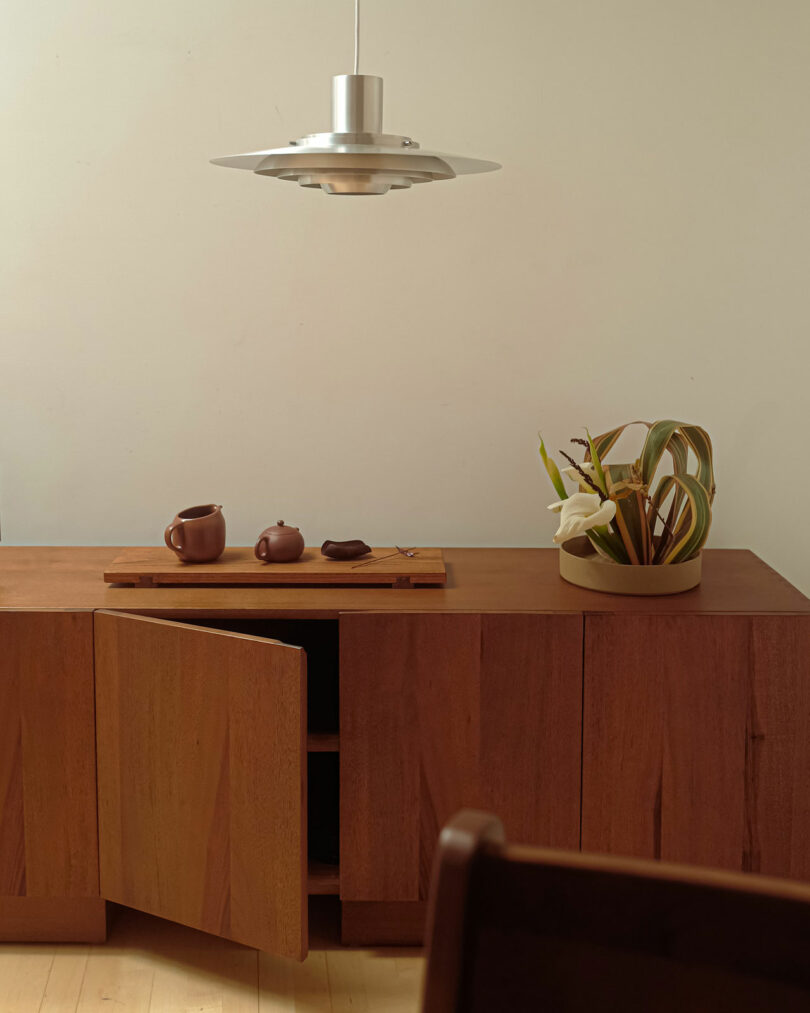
<point x="581" y="564"/>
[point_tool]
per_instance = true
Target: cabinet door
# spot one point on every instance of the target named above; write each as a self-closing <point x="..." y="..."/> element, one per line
<point x="696" y="740"/>
<point x="202" y="778"/>
<point x="442" y="711"/>
<point x="48" y="835"/>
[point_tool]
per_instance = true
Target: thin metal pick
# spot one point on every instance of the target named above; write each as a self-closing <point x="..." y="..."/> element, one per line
<point x="400" y="552"/>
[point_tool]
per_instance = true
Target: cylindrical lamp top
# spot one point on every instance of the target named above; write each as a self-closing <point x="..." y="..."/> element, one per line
<point x="357" y="104"/>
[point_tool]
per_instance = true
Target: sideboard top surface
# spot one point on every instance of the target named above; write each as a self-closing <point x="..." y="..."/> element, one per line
<point x="479" y="580"/>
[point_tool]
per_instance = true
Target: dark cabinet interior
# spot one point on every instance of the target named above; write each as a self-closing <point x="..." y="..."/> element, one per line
<point x="323" y="807"/>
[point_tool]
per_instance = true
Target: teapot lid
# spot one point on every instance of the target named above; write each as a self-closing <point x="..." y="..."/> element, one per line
<point x="280" y="528"/>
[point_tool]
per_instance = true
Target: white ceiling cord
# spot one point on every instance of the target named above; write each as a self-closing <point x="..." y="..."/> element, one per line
<point x="357" y="36"/>
<point x="355" y="158"/>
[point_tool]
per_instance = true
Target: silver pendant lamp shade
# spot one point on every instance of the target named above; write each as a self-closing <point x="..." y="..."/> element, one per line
<point x="356" y="157"/>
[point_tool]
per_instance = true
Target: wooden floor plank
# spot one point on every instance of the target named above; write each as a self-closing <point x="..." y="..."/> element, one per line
<point x="117" y="979"/>
<point x="120" y="972"/>
<point x="288" y="987"/>
<point x="347" y="984"/>
<point x="210" y="981"/>
<point x="150" y="965"/>
<point x="393" y="983"/>
<point x="24" y="974"/>
<point x="66" y="978"/>
<point x="364" y="981"/>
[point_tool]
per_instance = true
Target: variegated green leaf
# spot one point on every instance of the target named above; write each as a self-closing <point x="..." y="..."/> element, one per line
<point x="658" y="438"/>
<point x="677" y="437"/>
<point x="602" y="538"/>
<point x="701" y="444"/>
<point x="677" y="445"/>
<point x="607" y="441"/>
<point x="693" y="526"/>
<point x="553" y="472"/>
<point x="679" y="449"/>
<point x="597" y="464"/>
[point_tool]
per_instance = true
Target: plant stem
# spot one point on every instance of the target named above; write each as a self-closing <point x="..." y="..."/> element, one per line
<point x="585" y="476"/>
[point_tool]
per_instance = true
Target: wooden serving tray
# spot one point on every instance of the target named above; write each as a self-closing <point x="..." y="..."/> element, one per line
<point x="151" y="567"/>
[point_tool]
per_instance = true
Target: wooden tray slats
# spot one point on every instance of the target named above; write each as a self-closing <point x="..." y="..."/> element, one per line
<point x="152" y="567"/>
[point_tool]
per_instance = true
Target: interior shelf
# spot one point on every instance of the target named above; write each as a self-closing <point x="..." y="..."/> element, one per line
<point x="323" y="879"/>
<point x="323" y="742"/>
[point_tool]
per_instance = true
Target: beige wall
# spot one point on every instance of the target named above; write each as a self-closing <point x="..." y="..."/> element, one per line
<point x="174" y="333"/>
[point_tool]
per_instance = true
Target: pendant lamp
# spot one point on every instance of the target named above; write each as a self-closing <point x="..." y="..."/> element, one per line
<point x="356" y="158"/>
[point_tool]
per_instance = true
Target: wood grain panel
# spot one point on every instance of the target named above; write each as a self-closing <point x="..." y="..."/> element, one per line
<point x="202" y="775"/>
<point x="622" y="739"/>
<point x="48" y="838"/>
<point x="777" y="826"/>
<point x="705" y="701"/>
<point x="53" y="919"/>
<point x="380" y="923"/>
<point x="444" y="711"/>
<point x="379" y="768"/>
<point x="12" y="826"/>
<point x="268" y="797"/>
<point x="59" y="755"/>
<point x="531" y="734"/>
<point x="443" y="662"/>
<point x="665" y="705"/>
<point x="696" y="740"/>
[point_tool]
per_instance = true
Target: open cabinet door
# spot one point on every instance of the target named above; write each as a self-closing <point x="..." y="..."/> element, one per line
<point x="202" y="778"/>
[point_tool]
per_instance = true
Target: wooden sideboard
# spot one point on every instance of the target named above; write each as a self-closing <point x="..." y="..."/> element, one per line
<point x="215" y="755"/>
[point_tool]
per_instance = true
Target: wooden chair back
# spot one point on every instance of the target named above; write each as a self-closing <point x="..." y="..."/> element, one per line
<point x="519" y="929"/>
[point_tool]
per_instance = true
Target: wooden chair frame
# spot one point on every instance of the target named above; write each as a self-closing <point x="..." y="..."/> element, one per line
<point x="729" y="941"/>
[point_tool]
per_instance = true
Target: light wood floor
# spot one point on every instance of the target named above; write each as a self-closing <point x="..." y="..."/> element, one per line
<point x="151" y="966"/>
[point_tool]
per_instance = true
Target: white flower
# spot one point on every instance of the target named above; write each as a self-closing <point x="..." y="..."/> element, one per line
<point x="572" y="473"/>
<point x="580" y="512"/>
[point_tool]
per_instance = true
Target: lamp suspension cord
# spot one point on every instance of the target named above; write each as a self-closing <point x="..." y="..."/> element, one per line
<point x="357" y="36"/>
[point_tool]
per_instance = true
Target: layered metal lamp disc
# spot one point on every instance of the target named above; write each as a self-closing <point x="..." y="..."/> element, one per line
<point x="356" y="158"/>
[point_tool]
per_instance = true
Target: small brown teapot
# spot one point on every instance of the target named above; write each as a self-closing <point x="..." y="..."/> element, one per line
<point x="280" y="543"/>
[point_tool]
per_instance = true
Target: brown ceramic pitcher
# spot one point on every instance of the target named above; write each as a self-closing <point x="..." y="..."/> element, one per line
<point x="197" y="534"/>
